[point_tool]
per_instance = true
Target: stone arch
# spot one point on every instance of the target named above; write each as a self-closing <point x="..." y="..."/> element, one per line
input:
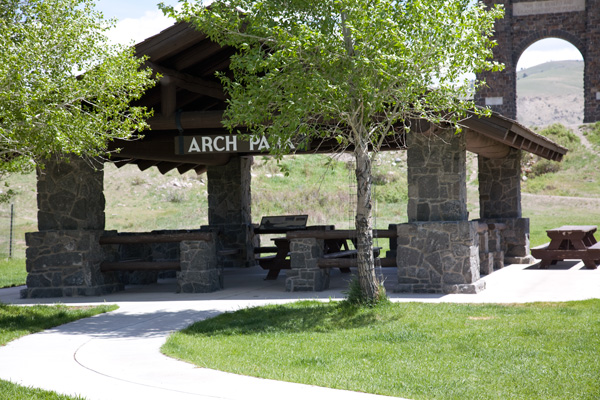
<point x="527" y="21"/>
<point x="548" y="34"/>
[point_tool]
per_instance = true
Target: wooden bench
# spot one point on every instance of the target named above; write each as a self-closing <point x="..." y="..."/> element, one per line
<point x="337" y="252"/>
<point x="569" y="242"/>
<point x="150" y="238"/>
<point x="344" y="260"/>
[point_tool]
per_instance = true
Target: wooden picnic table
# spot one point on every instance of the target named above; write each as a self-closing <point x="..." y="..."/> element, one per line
<point x="280" y="260"/>
<point x="569" y="242"/>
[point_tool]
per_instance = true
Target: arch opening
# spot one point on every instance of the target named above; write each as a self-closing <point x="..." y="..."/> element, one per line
<point x="550" y="84"/>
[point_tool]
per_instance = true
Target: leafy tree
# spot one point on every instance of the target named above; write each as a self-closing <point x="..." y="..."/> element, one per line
<point x="357" y="70"/>
<point x="63" y="88"/>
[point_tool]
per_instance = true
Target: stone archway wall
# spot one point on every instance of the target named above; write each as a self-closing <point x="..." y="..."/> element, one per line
<point x="525" y="22"/>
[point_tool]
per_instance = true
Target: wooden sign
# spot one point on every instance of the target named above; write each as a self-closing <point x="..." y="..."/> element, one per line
<point x="210" y="144"/>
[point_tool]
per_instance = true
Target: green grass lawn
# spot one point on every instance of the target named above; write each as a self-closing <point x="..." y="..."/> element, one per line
<point x="418" y="351"/>
<point x="18" y="321"/>
<point x="12" y="272"/>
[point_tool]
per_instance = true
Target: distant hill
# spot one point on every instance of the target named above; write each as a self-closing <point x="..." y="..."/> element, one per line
<point x="550" y="92"/>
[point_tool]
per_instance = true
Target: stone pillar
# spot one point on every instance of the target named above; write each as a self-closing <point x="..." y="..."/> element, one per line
<point x="305" y="274"/>
<point x="438" y="249"/>
<point x="437" y="188"/>
<point x="486" y="260"/>
<point x="500" y="186"/>
<point x="229" y="213"/>
<point x="200" y="272"/>
<point x="591" y="77"/>
<point x="500" y="202"/>
<point x="63" y="258"/>
<point x="500" y="91"/>
<point x="438" y="257"/>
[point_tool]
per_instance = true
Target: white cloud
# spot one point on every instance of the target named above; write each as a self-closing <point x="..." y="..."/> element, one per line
<point x="135" y="30"/>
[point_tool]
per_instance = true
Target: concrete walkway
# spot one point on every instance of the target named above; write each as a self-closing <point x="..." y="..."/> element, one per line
<point x="116" y="356"/>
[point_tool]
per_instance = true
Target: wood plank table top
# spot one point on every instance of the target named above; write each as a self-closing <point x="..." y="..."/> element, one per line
<point x="570" y="242"/>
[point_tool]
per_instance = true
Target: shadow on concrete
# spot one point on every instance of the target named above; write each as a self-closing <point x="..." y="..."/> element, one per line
<point x="559" y="266"/>
<point x="124" y="325"/>
<point x="247" y="284"/>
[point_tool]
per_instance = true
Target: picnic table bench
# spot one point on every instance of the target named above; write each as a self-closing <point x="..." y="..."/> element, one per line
<point x="569" y="242"/>
<point x="274" y="224"/>
<point x="338" y="252"/>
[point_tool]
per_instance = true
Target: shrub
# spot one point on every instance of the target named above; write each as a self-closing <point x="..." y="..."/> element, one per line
<point x="542" y="167"/>
<point x="561" y="135"/>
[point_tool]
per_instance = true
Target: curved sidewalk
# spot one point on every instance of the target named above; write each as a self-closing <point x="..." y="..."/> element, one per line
<point x="117" y="355"/>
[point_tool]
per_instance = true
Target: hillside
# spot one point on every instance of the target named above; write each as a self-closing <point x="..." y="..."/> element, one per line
<point x="550" y="93"/>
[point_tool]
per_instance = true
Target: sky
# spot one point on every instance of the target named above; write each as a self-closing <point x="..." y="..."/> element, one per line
<point x="140" y="19"/>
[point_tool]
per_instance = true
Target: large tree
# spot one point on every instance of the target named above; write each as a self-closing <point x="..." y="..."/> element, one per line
<point x="356" y="70"/>
<point x="63" y="88"/>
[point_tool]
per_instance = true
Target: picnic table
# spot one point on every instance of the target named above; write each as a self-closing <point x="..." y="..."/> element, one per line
<point x="280" y="260"/>
<point x="569" y="242"/>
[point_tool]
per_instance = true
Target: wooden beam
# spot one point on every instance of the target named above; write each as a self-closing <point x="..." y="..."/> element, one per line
<point x="339" y="234"/>
<point x="191" y="82"/>
<point x="183" y="168"/>
<point x="485" y="146"/>
<point x="145" y="164"/>
<point x="168" y="96"/>
<point x="165" y="167"/>
<point x="169" y="42"/>
<point x="189" y="120"/>
<point x="163" y="150"/>
<point x="194" y="55"/>
<point x="140" y="266"/>
<point x="148" y="238"/>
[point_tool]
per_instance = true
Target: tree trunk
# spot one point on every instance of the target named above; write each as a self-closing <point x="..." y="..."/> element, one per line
<point x="367" y="278"/>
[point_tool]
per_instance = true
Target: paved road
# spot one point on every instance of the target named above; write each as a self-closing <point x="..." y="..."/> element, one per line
<point x="116" y="356"/>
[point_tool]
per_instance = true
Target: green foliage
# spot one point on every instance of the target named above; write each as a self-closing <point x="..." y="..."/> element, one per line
<point x="576" y="175"/>
<point x="592" y="132"/>
<point x="544" y="166"/>
<point x="409" y="350"/>
<point x="351" y="70"/>
<point x="535" y="166"/>
<point x="561" y="135"/>
<point x="63" y="88"/>
<point x="363" y="66"/>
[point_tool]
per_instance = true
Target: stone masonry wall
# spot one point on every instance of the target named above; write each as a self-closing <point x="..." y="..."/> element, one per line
<point x="200" y="272"/>
<point x="500" y="186"/>
<point x="304" y="274"/>
<point x="527" y="21"/>
<point x="63" y="258"/>
<point x="438" y="257"/>
<point x="229" y="212"/>
<point x="70" y="196"/>
<point x="437" y="188"/>
<point x="66" y="263"/>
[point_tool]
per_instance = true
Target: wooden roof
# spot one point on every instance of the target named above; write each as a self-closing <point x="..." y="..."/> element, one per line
<point x="189" y="100"/>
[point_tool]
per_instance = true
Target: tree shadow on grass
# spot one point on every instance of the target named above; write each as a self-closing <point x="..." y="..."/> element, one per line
<point x="304" y="316"/>
<point x="16" y="321"/>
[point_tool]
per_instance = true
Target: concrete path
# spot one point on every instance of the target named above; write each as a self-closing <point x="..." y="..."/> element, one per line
<point x="116" y="356"/>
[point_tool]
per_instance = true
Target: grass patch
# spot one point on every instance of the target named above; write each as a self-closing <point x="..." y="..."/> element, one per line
<point x="418" y="351"/>
<point x="12" y="272"/>
<point x="10" y="391"/>
<point x="17" y="321"/>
